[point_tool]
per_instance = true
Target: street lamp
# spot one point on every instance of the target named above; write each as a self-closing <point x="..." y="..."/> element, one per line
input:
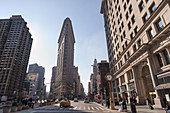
<point x="109" y="79"/>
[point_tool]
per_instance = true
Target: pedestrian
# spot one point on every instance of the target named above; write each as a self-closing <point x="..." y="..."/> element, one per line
<point x="149" y="103"/>
<point x="26" y="101"/>
<point x="168" y="107"/>
<point x="108" y="103"/>
<point x="133" y="104"/>
<point x="32" y="105"/>
<point x="124" y="106"/>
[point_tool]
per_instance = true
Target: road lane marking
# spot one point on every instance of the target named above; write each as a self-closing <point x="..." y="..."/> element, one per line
<point x="75" y="107"/>
<point x="92" y="108"/>
<point x="101" y="108"/>
<point x="97" y="108"/>
<point x="88" y="108"/>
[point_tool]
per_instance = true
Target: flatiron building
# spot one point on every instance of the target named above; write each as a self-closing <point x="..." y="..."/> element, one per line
<point x="65" y="61"/>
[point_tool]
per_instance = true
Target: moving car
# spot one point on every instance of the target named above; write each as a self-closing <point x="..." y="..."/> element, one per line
<point x="65" y="103"/>
<point x="86" y="100"/>
<point x="75" y="100"/>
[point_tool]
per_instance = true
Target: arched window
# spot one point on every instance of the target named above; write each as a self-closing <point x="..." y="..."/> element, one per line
<point x="167" y="58"/>
<point x="159" y="59"/>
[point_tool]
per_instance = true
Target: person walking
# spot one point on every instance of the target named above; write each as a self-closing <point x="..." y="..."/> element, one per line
<point x="133" y="104"/>
<point x="124" y="105"/>
<point x="149" y="103"/>
<point x="168" y="107"/>
<point x="32" y="105"/>
<point x="108" y="103"/>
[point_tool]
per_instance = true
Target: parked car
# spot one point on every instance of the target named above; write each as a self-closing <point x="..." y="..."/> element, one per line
<point x="75" y="100"/>
<point x="65" y="103"/>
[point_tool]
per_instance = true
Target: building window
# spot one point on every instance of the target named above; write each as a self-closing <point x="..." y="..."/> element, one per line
<point x="159" y="59"/>
<point x="129" y="25"/>
<point x="136" y="30"/>
<point x="125" y="58"/>
<point x="124" y="34"/>
<point x="122" y="24"/>
<point x="123" y="47"/>
<point x="141" y="6"/>
<point x="119" y="8"/>
<point x="133" y="19"/>
<point x="146" y="1"/>
<point x="122" y="79"/>
<point x="124" y="6"/>
<point x="139" y="43"/>
<point x="130" y="75"/>
<point x="128" y="54"/>
<point x="145" y="17"/>
<point x="127" y="15"/>
<point x="126" y="43"/>
<point x="118" y="21"/>
<point x="150" y="33"/>
<point x="159" y="25"/>
<point x="120" y="29"/>
<point x="117" y="1"/>
<point x="130" y="9"/>
<point x="120" y="16"/>
<point x="166" y="56"/>
<point x="131" y="35"/>
<point x="117" y="14"/>
<point x="134" y="48"/>
<point x="152" y="8"/>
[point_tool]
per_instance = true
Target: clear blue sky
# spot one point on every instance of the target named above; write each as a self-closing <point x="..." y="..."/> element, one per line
<point x="45" y="19"/>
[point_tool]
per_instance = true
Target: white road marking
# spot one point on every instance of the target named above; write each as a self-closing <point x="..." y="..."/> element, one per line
<point x="92" y="108"/>
<point x="75" y="107"/>
<point x="88" y="108"/>
<point x="97" y="108"/>
<point x="101" y="108"/>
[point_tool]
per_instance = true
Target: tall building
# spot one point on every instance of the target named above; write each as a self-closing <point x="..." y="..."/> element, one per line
<point x="76" y="82"/>
<point x="94" y="78"/>
<point x="15" y="47"/>
<point x="103" y="67"/>
<point x="33" y="83"/>
<point x="52" y="84"/>
<point x="65" y="61"/>
<point x="138" y="43"/>
<point x="89" y="90"/>
<point x="35" y="68"/>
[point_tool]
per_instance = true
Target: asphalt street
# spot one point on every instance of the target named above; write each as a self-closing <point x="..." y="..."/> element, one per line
<point x="76" y="107"/>
<point x="81" y="107"/>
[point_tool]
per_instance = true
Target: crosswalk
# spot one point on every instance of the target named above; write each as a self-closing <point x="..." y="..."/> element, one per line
<point x="86" y="108"/>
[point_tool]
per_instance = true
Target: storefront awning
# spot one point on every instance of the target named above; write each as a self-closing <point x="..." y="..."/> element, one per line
<point x="163" y="86"/>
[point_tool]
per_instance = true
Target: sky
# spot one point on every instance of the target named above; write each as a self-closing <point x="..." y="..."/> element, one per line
<point x="45" y="19"/>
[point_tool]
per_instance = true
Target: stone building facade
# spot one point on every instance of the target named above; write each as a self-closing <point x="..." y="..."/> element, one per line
<point x="138" y="42"/>
<point x="65" y="61"/>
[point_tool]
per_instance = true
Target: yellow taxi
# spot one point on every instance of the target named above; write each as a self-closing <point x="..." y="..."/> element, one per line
<point x="75" y="100"/>
<point x="65" y="103"/>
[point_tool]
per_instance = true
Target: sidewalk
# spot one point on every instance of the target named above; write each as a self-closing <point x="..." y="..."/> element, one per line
<point x="139" y="109"/>
<point x="23" y="111"/>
